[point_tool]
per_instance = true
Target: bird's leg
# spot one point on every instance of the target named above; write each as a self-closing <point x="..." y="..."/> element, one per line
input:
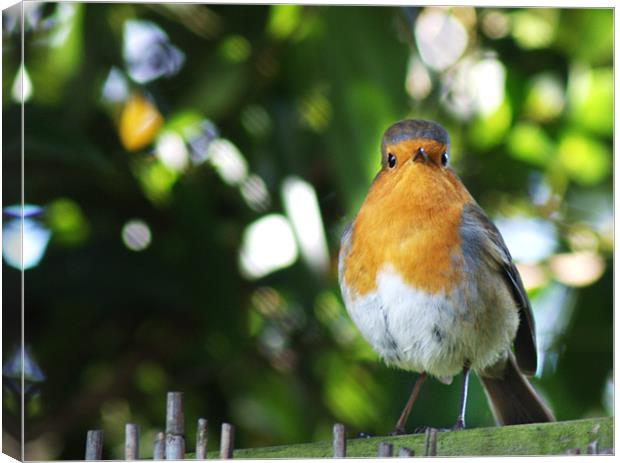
<point x="400" y="424"/>
<point x="460" y="419"/>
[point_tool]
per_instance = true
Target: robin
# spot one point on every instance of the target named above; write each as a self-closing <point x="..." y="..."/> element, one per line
<point x="429" y="281"/>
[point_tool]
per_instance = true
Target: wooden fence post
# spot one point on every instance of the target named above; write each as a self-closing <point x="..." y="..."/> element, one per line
<point x="430" y="442"/>
<point x="385" y="449"/>
<point x="202" y="438"/>
<point x="227" y="441"/>
<point x="340" y="441"/>
<point x="132" y="445"/>
<point x="159" y="446"/>
<point x="175" y="427"/>
<point x="94" y="445"/>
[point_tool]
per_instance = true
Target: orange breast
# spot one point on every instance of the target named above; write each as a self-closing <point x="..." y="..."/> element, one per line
<point x="409" y="220"/>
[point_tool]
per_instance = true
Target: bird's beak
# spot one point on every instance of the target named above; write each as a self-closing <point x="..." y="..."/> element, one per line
<point x="420" y="153"/>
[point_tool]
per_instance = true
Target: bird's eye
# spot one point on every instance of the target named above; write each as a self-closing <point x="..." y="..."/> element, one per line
<point x="391" y="160"/>
<point x="444" y="158"/>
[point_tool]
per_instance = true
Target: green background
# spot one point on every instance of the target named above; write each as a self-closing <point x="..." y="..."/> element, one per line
<point x="301" y="91"/>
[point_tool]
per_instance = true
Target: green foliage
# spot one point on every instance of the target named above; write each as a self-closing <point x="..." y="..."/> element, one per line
<point x="293" y="91"/>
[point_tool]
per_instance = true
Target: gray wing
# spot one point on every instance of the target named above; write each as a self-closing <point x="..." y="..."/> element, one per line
<point x="345" y="247"/>
<point x="480" y="237"/>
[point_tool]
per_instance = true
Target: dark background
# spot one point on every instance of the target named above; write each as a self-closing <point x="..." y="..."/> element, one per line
<point x="302" y="92"/>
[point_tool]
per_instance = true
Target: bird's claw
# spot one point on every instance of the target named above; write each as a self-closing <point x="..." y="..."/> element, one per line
<point x="459" y="426"/>
<point x="398" y="431"/>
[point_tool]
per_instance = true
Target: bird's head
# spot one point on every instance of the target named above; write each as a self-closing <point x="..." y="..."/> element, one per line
<point x="414" y="141"/>
<point x="414" y="167"/>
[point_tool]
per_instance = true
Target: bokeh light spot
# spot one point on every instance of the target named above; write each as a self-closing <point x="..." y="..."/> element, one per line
<point x="495" y="24"/>
<point x="534" y="28"/>
<point x="155" y="179"/>
<point x="115" y="88"/>
<point x="418" y="81"/>
<point x="283" y="20"/>
<point x="529" y="239"/>
<point x="22" y="86"/>
<point x="528" y="142"/>
<point x="256" y="120"/>
<point x="148" y="52"/>
<point x="302" y="207"/>
<point x="35" y="240"/>
<point x="228" y="161"/>
<point x="578" y="268"/>
<point x="315" y="110"/>
<point x="545" y="99"/>
<point x="268" y="245"/>
<point x="255" y="193"/>
<point x="586" y="160"/>
<point x="140" y="121"/>
<point x="67" y="221"/>
<point x="171" y="151"/>
<point x="441" y="38"/>
<point x="474" y="86"/>
<point x="591" y="98"/>
<point x="236" y="48"/>
<point x="136" y="235"/>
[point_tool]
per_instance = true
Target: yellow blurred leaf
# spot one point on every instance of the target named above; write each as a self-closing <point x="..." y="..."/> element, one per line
<point x="139" y="124"/>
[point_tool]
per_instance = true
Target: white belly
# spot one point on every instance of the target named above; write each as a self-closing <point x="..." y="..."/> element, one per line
<point x="436" y="334"/>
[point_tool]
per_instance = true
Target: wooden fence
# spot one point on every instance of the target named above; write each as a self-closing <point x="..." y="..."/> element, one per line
<point x="592" y="436"/>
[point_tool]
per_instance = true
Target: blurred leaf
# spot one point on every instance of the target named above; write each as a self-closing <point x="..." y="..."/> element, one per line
<point x="283" y="20"/>
<point x="139" y="123"/>
<point x="488" y="131"/>
<point x="529" y="142"/>
<point x="58" y="54"/>
<point x="586" y="160"/>
<point x="155" y="179"/>
<point x="587" y="34"/>
<point x="545" y="98"/>
<point x="534" y="28"/>
<point x="350" y="392"/>
<point x="591" y="97"/>
<point x="67" y="222"/>
<point x="235" y="48"/>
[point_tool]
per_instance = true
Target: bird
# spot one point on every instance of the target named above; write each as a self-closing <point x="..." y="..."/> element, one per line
<point x="429" y="282"/>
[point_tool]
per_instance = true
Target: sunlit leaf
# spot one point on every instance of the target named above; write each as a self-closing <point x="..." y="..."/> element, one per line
<point x="155" y="179"/>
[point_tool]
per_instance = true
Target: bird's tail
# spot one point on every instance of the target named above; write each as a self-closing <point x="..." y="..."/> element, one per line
<point x="512" y="398"/>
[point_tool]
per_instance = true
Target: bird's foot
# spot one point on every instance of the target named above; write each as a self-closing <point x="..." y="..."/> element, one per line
<point x="398" y="431"/>
<point x="421" y="429"/>
<point x="459" y="426"/>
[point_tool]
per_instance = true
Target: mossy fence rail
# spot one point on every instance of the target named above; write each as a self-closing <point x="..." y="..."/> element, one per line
<point x="588" y="436"/>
